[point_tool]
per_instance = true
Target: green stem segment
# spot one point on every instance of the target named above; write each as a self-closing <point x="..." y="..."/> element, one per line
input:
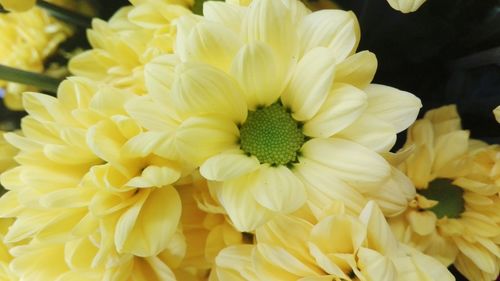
<point x="40" y="81"/>
<point x="65" y="14"/>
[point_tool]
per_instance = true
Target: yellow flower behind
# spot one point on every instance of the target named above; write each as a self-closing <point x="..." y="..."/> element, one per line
<point x="454" y="215"/>
<point x="275" y="107"/>
<point x="73" y="182"/>
<point x="130" y="39"/>
<point x="26" y="40"/>
<point x="335" y="247"/>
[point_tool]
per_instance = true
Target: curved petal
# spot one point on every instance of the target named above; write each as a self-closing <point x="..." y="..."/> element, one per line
<point x="370" y="132"/>
<point x="212" y="43"/>
<point x="199" y="138"/>
<point x="273" y="23"/>
<point x="155" y="176"/>
<point x="228" y="14"/>
<point x="228" y="165"/>
<point x="379" y="234"/>
<point x="278" y="189"/>
<point x="341" y="108"/>
<point x="348" y="161"/>
<point x="339" y="30"/>
<point x="406" y="6"/>
<point x="150" y="114"/>
<point x="357" y="70"/>
<point x="236" y="198"/>
<point x="323" y="187"/>
<point x="147" y="227"/>
<point x="310" y="83"/>
<point x="201" y="89"/>
<point x="396" y="107"/>
<point x="159" y="76"/>
<point x="255" y="68"/>
<point x="18" y="5"/>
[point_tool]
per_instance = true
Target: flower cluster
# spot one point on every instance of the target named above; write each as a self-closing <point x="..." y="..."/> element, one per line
<point x="245" y="144"/>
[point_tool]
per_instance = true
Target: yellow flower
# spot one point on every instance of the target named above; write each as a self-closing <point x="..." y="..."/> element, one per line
<point x="274" y="106"/>
<point x="17" y="5"/>
<point x="74" y="182"/>
<point x="337" y="247"/>
<point x="406" y="6"/>
<point x="131" y="38"/>
<point x="25" y="41"/>
<point x="496" y="112"/>
<point x="454" y="216"/>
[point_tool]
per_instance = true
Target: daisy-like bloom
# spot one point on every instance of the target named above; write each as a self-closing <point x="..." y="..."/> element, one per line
<point x="25" y="41"/>
<point x="406" y="6"/>
<point x="336" y="247"/>
<point x="454" y="216"/>
<point x="130" y="39"/>
<point x="275" y="107"/>
<point x="74" y="184"/>
<point x="496" y="112"/>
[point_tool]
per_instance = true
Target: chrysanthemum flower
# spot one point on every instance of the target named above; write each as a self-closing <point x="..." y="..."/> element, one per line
<point x="454" y="217"/>
<point x="406" y="6"/>
<point x="275" y="107"/>
<point x="74" y="182"/>
<point x="25" y="41"/>
<point x="336" y="247"/>
<point x="130" y="39"/>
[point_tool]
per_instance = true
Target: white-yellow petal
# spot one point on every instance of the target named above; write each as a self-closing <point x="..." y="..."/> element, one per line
<point x="396" y="107"/>
<point x="339" y="32"/>
<point x="341" y="108"/>
<point x="357" y="70"/>
<point x="255" y="67"/>
<point x="199" y="138"/>
<point x="348" y="161"/>
<point x="278" y="189"/>
<point x="228" y="165"/>
<point x="406" y="6"/>
<point x="310" y="84"/>
<point x="203" y="89"/>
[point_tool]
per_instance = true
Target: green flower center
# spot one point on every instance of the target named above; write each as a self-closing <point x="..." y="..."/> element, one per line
<point x="271" y="135"/>
<point x="450" y="198"/>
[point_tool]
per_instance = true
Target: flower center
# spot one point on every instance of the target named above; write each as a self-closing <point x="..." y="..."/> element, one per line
<point x="450" y="198"/>
<point x="271" y="135"/>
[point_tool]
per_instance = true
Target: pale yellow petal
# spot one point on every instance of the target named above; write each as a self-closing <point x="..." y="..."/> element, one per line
<point x="348" y="161"/>
<point x="203" y="89"/>
<point x="496" y="112"/>
<point x="357" y="70"/>
<point x="226" y="13"/>
<point x="228" y="165"/>
<point x="236" y="198"/>
<point x="396" y="107"/>
<point x="255" y="68"/>
<point x="237" y="260"/>
<point x="147" y="227"/>
<point x="422" y="223"/>
<point x="339" y="31"/>
<point x="199" y="138"/>
<point x="375" y="265"/>
<point x="449" y="147"/>
<point x="406" y="6"/>
<point x="278" y="189"/>
<point x="212" y="43"/>
<point x="370" y="132"/>
<point x="379" y="234"/>
<point x="341" y="108"/>
<point x="310" y="83"/>
<point x="155" y="176"/>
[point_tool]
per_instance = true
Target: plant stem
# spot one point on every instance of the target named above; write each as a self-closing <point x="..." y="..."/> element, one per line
<point x="40" y="81"/>
<point x="65" y="14"/>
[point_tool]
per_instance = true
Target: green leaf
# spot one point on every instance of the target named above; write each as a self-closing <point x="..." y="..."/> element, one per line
<point x="40" y="81"/>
